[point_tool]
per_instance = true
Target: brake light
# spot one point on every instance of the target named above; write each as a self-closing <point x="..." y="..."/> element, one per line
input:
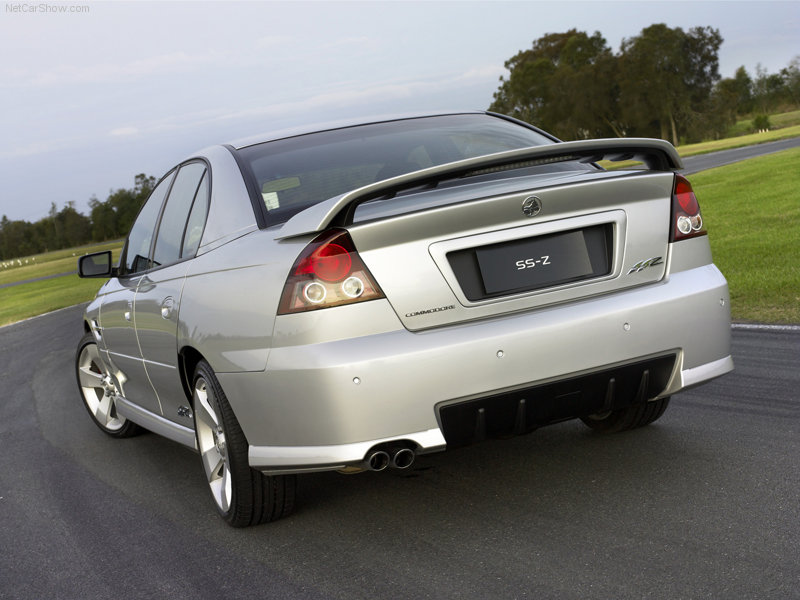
<point x="329" y="272"/>
<point x="329" y="262"/>
<point x="687" y="221"/>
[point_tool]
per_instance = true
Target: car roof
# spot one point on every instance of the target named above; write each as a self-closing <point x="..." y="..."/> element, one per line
<point x="341" y="124"/>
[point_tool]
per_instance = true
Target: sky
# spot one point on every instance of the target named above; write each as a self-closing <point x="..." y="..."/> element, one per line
<point x="94" y="92"/>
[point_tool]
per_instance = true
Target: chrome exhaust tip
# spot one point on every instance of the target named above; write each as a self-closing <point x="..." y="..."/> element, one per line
<point x="403" y="458"/>
<point x="377" y="461"/>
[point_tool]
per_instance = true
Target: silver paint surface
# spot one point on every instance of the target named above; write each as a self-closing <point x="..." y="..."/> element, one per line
<point x="291" y="379"/>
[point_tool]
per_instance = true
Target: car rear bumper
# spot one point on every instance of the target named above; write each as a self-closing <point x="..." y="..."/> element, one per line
<point x="300" y="459"/>
<point x="321" y="406"/>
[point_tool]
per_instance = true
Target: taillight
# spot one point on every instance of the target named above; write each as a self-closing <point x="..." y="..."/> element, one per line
<point x="686" y="220"/>
<point x="327" y="273"/>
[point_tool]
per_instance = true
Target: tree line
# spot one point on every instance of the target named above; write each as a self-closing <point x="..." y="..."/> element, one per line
<point x="67" y="228"/>
<point x="664" y="83"/>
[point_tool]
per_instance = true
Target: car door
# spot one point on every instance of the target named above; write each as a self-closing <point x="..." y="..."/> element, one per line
<point x="158" y="295"/>
<point x="117" y="311"/>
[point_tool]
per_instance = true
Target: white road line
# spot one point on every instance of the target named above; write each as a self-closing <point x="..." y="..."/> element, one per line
<point x="757" y="327"/>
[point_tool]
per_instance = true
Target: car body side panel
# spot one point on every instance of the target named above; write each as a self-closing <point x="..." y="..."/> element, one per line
<point x="230" y="300"/>
<point x="157" y="308"/>
<point x="120" y="347"/>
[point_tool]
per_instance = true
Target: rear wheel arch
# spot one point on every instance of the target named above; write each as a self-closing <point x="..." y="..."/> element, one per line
<point x="189" y="358"/>
<point x="242" y="495"/>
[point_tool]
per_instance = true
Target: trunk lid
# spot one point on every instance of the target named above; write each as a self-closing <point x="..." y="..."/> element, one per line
<point x="479" y="250"/>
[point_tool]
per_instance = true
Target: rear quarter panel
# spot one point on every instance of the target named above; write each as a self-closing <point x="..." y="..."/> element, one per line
<point x="230" y="300"/>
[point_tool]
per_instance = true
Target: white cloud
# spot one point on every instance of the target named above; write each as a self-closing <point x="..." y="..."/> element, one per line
<point x="40" y="147"/>
<point x="354" y="97"/>
<point x="138" y="69"/>
<point x="355" y="94"/>
<point x="481" y="74"/>
<point x="124" y="131"/>
<point x="272" y="41"/>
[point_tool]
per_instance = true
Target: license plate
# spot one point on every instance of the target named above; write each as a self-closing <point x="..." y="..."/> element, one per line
<point x="534" y="263"/>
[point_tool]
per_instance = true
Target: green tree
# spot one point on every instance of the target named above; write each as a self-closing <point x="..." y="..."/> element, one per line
<point x="67" y="227"/>
<point x="743" y="88"/>
<point x="103" y="220"/>
<point x="4" y="223"/>
<point x="666" y="79"/>
<point x="54" y="237"/>
<point x="76" y="229"/>
<point x="769" y="90"/>
<point x="730" y="98"/>
<point x="565" y="83"/>
<point x="662" y="83"/>
<point x="791" y="80"/>
<point x="16" y="239"/>
<point x="143" y="185"/>
<point x="42" y="232"/>
<point x="126" y="203"/>
<point x="125" y="206"/>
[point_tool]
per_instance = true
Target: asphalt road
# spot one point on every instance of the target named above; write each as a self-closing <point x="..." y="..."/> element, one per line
<point x="703" y="503"/>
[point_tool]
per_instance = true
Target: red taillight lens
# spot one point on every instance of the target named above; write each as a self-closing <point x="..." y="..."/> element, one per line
<point x="329" y="262"/>
<point x="328" y="273"/>
<point x="687" y="221"/>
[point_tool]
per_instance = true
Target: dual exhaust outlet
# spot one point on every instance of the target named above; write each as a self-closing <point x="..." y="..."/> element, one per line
<point x="397" y="457"/>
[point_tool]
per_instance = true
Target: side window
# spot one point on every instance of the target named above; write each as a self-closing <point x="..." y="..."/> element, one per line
<point x="197" y="220"/>
<point x="137" y="248"/>
<point x="173" y="222"/>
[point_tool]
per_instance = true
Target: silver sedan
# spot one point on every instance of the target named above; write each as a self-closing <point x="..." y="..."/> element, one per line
<point x="352" y="296"/>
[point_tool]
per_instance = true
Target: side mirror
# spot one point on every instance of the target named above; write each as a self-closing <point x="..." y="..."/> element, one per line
<point x="96" y="265"/>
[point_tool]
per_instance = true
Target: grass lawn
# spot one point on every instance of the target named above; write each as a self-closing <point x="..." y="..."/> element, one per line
<point x="786" y="119"/>
<point x="51" y="263"/>
<point x="752" y="212"/>
<point x="38" y="297"/>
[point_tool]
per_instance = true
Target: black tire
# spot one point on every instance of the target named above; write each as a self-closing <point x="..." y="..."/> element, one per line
<point x="98" y="391"/>
<point x="636" y="415"/>
<point x="242" y="495"/>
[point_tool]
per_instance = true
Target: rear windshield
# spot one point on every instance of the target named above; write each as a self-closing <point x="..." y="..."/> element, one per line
<point x="294" y="173"/>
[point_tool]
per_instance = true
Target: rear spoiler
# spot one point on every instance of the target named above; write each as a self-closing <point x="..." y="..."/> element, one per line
<point x="657" y="155"/>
